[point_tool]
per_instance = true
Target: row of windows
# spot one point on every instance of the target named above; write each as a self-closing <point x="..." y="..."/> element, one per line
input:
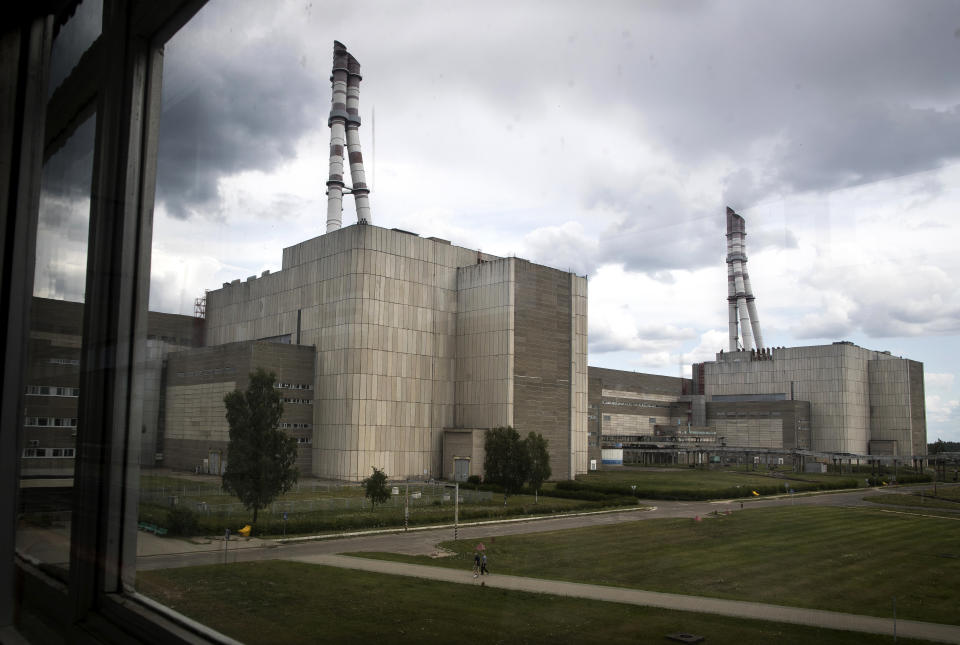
<point x="210" y="372"/>
<point x="607" y="417"/>
<point x="64" y="361"/>
<point x="303" y="401"/>
<point x="636" y="404"/>
<point x="294" y="386"/>
<point x="49" y="452"/>
<point x="304" y="439"/>
<point x="744" y="415"/>
<point x="296" y="426"/>
<point x="54" y="422"/>
<point x="52" y="390"/>
<point x="169" y="339"/>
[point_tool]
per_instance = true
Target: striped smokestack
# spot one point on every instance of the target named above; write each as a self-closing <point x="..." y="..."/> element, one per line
<point x="740" y="299"/>
<point x="344" y="121"/>
<point x="337" y="123"/>
<point x="361" y="194"/>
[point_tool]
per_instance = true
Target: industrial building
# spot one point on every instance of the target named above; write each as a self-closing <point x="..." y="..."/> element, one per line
<point x="397" y="351"/>
<point x="48" y="445"/>
<point x="837" y="400"/>
<point x="414" y="336"/>
<point x="195" y="431"/>
<point x="857" y="401"/>
<point x="861" y="401"/>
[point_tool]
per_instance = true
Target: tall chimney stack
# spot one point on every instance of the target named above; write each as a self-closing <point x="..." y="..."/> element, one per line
<point x="740" y="300"/>
<point x="344" y="121"/>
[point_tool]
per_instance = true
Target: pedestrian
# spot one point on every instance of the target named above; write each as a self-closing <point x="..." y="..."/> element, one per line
<point x="476" y="564"/>
<point x="483" y="565"/>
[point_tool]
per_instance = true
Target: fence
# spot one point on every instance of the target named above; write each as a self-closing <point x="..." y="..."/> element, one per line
<point x="194" y="498"/>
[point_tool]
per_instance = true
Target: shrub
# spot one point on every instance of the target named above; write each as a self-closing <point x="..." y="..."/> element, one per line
<point x="181" y="521"/>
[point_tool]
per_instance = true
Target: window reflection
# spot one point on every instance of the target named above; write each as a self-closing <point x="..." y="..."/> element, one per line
<point x="73" y="38"/>
<point x="52" y="387"/>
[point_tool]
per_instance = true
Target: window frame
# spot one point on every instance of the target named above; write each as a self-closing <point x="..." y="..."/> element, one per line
<point x="118" y="78"/>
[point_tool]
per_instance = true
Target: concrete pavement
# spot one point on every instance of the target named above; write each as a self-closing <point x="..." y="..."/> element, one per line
<point x="735" y="608"/>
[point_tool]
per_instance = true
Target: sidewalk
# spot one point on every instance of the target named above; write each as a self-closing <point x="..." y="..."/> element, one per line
<point x="740" y="609"/>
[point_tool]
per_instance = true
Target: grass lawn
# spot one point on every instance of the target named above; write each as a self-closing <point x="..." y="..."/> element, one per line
<point x="947" y="497"/>
<point x="289" y="602"/>
<point x="852" y="560"/>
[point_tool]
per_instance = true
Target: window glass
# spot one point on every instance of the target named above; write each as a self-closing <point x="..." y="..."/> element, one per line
<point x="74" y="38"/>
<point x="54" y="356"/>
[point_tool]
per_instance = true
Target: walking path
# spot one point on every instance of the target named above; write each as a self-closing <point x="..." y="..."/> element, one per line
<point x="736" y="608"/>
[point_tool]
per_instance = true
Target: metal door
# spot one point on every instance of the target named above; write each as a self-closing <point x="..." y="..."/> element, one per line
<point x="461" y="470"/>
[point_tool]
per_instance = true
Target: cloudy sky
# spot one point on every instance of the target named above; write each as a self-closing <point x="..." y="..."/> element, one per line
<point x="604" y="138"/>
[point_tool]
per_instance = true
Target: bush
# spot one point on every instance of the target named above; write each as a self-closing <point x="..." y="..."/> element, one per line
<point x="474" y="480"/>
<point x="903" y="478"/>
<point x="181" y="521"/>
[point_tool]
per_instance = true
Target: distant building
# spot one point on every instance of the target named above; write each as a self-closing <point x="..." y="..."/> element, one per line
<point x="53" y="384"/>
<point x="861" y="401"/>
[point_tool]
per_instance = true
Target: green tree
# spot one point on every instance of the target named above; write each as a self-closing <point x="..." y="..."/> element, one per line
<point x="261" y="459"/>
<point x="376" y="487"/>
<point x="506" y="461"/>
<point x="539" y="458"/>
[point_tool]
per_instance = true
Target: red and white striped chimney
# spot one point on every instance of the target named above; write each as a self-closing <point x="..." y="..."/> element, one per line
<point x="740" y="299"/>
<point x="344" y="121"/>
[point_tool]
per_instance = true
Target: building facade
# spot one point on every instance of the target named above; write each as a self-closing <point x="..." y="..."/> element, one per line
<point x="195" y="433"/>
<point x="52" y="387"/>
<point x="415" y="336"/>
<point x="861" y="401"/>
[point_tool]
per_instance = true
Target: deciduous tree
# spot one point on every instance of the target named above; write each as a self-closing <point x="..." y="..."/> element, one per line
<point x="506" y="461"/>
<point x="376" y="487"/>
<point x="261" y="458"/>
<point x="539" y="457"/>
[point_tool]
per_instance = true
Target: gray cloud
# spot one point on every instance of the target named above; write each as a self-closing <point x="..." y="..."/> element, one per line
<point x="833" y="95"/>
<point x="228" y="110"/>
<point x="866" y="143"/>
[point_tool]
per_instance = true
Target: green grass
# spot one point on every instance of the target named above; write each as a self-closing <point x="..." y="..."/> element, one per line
<point x="289" y="602"/>
<point x="946" y="497"/>
<point x="717" y="483"/>
<point x="851" y="560"/>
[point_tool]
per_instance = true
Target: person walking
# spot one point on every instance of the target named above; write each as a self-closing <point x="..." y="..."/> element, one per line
<point x="476" y="564"/>
<point x="483" y="565"/>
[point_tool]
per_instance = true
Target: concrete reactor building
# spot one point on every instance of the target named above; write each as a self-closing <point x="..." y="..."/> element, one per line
<point x="411" y="337"/>
<point x="861" y="401"/>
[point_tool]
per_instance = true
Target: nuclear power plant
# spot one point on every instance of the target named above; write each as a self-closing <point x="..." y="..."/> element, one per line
<point x="412" y="339"/>
<point x="397" y="351"/>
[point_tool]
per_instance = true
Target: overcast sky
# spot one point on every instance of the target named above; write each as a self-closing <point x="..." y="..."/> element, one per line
<point x="604" y="138"/>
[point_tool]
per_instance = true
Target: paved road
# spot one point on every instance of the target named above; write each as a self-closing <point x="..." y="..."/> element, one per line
<point x="735" y="608"/>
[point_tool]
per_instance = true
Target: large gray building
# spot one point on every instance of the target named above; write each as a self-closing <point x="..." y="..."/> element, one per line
<point x="415" y="336"/>
<point x="862" y="401"/>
